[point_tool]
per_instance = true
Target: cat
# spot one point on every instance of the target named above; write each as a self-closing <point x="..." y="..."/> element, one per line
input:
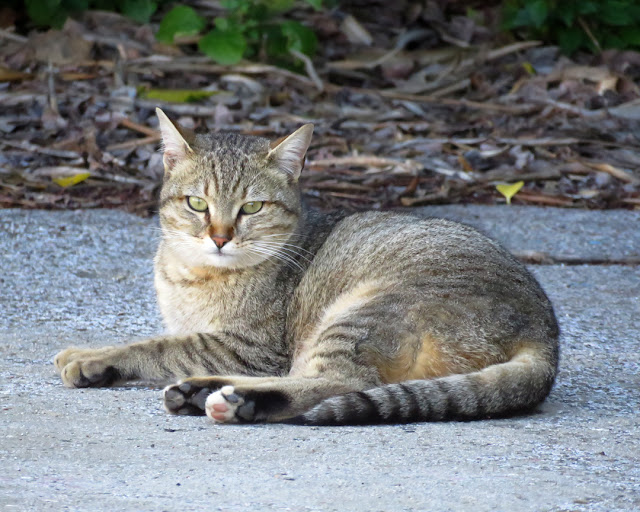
<point x="278" y="313"/>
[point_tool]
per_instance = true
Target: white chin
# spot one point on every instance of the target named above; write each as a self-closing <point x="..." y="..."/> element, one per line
<point x="233" y="261"/>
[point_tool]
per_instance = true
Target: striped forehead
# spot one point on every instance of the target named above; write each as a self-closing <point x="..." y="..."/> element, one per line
<point x="230" y="163"/>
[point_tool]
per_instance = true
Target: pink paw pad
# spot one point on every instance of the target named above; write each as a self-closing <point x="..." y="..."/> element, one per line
<point x="221" y="406"/>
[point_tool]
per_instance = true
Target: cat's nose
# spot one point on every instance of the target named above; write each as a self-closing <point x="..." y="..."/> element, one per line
<point x="220" y="241"/>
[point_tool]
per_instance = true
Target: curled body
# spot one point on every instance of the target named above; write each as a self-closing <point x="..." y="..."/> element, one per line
<point x="278" y="313"/>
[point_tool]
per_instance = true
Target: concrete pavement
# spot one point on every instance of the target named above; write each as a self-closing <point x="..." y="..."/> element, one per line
<point x="85" y="278"/>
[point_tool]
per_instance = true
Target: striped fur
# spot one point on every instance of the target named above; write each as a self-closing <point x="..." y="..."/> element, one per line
<point x="324" y="319"/>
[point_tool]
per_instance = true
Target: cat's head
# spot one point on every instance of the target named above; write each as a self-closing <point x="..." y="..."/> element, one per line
<point x="230" y="201"/>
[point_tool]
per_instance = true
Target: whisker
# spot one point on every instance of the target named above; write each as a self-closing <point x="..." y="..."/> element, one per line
<point x="276" y="254"/>
<point x="277" y="246"/>
<point x="282" y="256"/>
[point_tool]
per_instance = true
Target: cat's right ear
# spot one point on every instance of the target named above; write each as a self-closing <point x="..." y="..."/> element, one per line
<point x="175" y="148"/>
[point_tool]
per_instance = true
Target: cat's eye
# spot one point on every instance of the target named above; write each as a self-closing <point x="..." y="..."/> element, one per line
<point x="251" y="207"/>
<point x="197" y="203"/>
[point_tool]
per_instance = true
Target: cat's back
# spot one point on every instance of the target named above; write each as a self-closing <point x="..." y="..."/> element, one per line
<point x="392" y="244"/>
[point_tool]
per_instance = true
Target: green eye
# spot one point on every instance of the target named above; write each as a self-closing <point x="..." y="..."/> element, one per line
<point x="197" y="203"/>
<point x="251" y="207"/>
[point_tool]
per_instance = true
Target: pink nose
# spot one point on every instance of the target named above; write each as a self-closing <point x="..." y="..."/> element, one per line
<point x="220" y="241"/>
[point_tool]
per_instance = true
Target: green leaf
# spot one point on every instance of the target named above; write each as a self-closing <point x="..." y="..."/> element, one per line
<point x="588" y="7"/>
<point x="630" y="35"/>
<point x="613" y="41"/>
<point x="614" y="13"/>
<point x="521" y="18"/>
<point x="509" y="13"/>
<point x="180" y="21"/>
<point x="239" y="7"/>
<point x="570" y="39"/>
<point x="279" y="5"/>
<point x="177" y="95"/>
<point x="538" y="11"/>
<point x="276" y="43"/>
<point x="224" y="46"/>
<point x="299" y="37"/>
<point x="138" y="10"/>
<point x="316" y="4"/>
<point x="49" y="13"/>
<point x="226" y="24"/>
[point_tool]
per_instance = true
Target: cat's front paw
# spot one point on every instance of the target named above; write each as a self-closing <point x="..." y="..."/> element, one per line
<point x="244" y="404"/>
<point x="88" y="373"/>
<point x="226" y="406"/>
<point x="83" y="368"/>
<point x="64" y="357"/>
<point x="188" y="397"/>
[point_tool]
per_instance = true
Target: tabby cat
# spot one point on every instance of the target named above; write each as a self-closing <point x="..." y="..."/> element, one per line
<point x="278" y="313"/>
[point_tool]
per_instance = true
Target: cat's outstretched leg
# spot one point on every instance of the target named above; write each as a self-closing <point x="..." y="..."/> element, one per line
<point x="251" y="399"/>
<point x="168" y="357"/>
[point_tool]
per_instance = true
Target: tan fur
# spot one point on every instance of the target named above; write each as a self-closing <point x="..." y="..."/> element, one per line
<point x="427" y="362"/>
<point x="324" y="318"/>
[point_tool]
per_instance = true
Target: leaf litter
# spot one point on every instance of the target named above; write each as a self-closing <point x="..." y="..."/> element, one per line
<point x="407" y="113"/>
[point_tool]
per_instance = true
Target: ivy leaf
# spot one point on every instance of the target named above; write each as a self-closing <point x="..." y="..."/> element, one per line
<point x="509" y="190"/>
<point x="299" y="37"/>
<point x="224" y="46"/>
<point x="180" y="21"/>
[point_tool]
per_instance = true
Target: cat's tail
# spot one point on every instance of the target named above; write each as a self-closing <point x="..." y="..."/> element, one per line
<point x="515" y="386"/>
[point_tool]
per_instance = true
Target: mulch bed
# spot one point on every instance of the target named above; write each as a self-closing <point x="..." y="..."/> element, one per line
<point x="403" y="119"/>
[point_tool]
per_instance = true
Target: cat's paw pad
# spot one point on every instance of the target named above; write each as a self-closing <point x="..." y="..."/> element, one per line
<point x="227" y="406"/>
<point x="185" y="398"/>
<point x="88" y="373"/>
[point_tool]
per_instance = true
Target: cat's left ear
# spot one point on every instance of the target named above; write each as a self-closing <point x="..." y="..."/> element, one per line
<point x="175" y="146"/>
<point x="289" y="152"/>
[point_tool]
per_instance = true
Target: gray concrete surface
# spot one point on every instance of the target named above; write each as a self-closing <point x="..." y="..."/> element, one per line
<point x="85" y="278"/>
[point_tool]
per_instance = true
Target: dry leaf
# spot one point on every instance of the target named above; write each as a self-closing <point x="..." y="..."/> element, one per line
<point x="9" y="75"/>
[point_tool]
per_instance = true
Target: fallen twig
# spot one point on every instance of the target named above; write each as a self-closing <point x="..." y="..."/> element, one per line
<point x="130" y="144"/>
<point x="33" y="148"/>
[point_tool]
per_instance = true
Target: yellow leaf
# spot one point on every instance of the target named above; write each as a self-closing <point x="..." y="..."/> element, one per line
<point x="509" y="190"/>
<point x="528" y="67"/>
<point x="69" y="181"/>
<point x="177" y="95"/>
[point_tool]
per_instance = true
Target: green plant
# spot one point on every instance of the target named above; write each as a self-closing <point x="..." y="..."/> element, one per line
<point x="574" y="24"/>
<point x="53" y="13"/>
<point x="249" y="28"/>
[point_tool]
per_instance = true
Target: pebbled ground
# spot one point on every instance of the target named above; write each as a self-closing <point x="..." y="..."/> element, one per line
<point x="85" y="278"/>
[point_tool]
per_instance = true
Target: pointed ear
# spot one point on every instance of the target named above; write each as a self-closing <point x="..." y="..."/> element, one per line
<point x="174" y="145"/>
<point x="288" y="153"/>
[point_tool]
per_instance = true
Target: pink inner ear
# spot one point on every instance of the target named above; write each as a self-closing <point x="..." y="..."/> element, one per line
<point x="290" y="151"/>
<point x="169" y="159"/>
<point x="174" y="146"/>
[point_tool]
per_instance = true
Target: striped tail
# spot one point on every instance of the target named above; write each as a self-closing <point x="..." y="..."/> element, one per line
<point x="496" y="391"/>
